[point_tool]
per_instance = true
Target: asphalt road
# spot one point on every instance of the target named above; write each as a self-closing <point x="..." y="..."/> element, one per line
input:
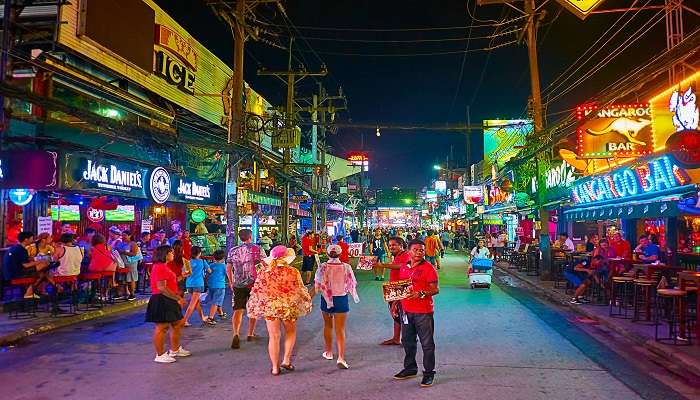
<point x="491" y="344"/>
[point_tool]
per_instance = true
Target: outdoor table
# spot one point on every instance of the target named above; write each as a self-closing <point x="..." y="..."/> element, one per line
<point x="615" y="263"/>
<point x="683" y="278"/>
<point x="650" y="269"/>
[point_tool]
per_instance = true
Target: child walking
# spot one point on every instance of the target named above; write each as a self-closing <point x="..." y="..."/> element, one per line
<point x="195" y="284"/>
<point x="216" y="281"/>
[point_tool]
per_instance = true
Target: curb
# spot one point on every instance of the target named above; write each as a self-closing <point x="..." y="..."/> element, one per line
<point x="676" y="358"/>
<point x="61" y="322"/>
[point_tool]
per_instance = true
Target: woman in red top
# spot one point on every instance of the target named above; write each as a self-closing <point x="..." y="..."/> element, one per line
<point x="165" y="307"/>
<point x="180" y="265"/>
<point x="621" y="247"/>
<point x="186" y="245"/>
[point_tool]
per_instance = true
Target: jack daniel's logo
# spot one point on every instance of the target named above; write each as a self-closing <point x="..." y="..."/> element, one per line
<point x="192" y="189"/>
<point x="111" y="177"/>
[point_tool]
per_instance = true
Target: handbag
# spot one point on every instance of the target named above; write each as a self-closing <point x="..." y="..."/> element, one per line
<point x="117" y="258"/>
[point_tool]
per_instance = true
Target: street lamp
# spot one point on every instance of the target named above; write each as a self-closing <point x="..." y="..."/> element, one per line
<point x="437" y="167"/>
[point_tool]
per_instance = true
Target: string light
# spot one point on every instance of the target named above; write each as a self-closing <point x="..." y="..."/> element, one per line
<point x="378" y="133"/>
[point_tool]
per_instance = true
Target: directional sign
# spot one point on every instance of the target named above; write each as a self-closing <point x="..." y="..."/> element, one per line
<point x="582" y="8"/>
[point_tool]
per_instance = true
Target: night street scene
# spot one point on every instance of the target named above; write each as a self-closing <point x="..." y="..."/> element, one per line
<point x="334" y="199"/>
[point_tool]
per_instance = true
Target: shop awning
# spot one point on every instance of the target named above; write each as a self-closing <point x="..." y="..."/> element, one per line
<point x="652" y="208"/>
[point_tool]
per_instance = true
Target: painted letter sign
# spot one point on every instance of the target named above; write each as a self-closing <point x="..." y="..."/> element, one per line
<point x="656" y="175"/>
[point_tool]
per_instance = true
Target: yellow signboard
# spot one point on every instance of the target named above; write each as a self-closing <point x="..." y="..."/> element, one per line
<point x="582" y="8"/>
<point x="184" y="71"/>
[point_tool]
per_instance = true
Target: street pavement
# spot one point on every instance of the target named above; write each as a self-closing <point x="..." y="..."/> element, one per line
<point x="499" y="343"/>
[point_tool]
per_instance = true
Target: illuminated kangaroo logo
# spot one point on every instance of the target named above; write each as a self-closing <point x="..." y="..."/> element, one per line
<point x="685" y="110"/>
<point x="626" y="127"/>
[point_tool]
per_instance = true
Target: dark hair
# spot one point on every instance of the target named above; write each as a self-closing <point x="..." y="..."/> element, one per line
<point x="245" y="234"/>
<point x="431" y="232"/>
<point x="219" y="255"/>
<point x="161" y="253"/>
<point x="196" y="250"/>
<point x="603" y="240"/>
<point x="128" y="234"/>
<point x="398" y="240"/>
<point x="98" y="239"/>
<point x="333" y="254"/>
<point x="179" y="254"/>
<point x="339" y="237"/>
<point x="564" y="234"/>
<point x="24" y="235"/>
<point x="90" y="230"/>
<point x="144" y="234"/>
<point x="66" y="238"/>
<point x="415" y="242"/>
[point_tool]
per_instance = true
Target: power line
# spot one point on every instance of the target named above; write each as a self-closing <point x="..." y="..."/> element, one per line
<point x="425" y="29"/>
<point x="437" y="53"/>
<point x="464" y="62"/>
<point x="437" y="40"/>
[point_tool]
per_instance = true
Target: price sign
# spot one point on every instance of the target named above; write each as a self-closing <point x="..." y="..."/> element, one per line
<point x="355" y="249"/>
<point x="44" y="225"/>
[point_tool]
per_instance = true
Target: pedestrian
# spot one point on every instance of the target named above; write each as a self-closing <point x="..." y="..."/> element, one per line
<point x="241" y="271"/>
<point x="131" y="255"/>
<point x="180" y="266"/>
<point x="499" y="245"/>
<point x="345" y="253"/>
<point x="165" y="307"/>
<point x="432" y="248"/>
<point x="445" y="239"/>
<point x="195" y="284"/>
<point x="378" y="248"/>
<point x="216" y="281"/>
<point x="335" y="280"/>
<point x="397" y="248"/>
<point x="308" y="251"/>
<point x="417" y="315"/>
<point x="280" y="297"/>
<point x="265" y="242"/>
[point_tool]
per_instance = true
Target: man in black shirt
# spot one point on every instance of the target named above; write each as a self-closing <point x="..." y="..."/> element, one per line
<point x="16" y="263"/>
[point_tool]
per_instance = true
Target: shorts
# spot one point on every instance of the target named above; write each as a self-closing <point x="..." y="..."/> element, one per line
<point x="195" y="289"/>
<point x="341" y="304"/>
<point x="133" y="274"/>
<point x="431" y="259"/>
<point x="216" y="296"/>
<point x="577" y="278"/>
<point x="240" y="298"/>
<point x="308" y="264"/>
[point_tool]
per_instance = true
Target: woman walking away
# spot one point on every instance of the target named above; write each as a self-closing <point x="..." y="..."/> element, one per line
<point x="279" y="296"/>
<point x="195" y="284"/>
<point x="164" y="307"/>
<point x="131" y="254"/>
<point x="334" y="280"/>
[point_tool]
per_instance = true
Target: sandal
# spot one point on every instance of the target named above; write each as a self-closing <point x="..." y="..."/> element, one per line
<point x="288" y="367"/>
<point x="327" y="356"/>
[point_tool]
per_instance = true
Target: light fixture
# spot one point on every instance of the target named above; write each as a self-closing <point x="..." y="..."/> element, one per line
<point x="437" y="167"/>
<point x="159" y="210"/>
<point x="378" y="133"/>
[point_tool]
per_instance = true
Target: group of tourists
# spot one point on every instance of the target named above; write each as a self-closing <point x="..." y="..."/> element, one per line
<point x="271" y="288"/>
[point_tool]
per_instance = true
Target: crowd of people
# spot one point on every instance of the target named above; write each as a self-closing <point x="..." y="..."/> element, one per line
<point x="270" y="288"/>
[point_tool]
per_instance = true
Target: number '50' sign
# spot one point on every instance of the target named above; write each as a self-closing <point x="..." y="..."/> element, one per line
<point x="355" y="249"/>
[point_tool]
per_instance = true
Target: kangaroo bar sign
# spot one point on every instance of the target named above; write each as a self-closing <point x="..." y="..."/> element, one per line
<point x="622" y="131"/>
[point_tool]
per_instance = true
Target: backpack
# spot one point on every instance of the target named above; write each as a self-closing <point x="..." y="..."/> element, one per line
<point x="243" y="259"/>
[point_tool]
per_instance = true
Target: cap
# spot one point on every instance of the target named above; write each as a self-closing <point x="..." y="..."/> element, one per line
<point x="115" y="230"/>
<point x="334" y="248"/>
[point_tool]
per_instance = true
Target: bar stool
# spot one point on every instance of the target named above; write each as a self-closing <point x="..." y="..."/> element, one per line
<point x="121" y="278"/>
<point x="643" y="299"/>
<point x="533" y="264"/>
<point x="559" y="264"/>
<point x="69" y="285"/>
<point x="620" y="296"/>
<point x="21" y="308"/>
<point x="107" y="284"/>
<point x="89" y="290"/>
<point x="669" y="304"/>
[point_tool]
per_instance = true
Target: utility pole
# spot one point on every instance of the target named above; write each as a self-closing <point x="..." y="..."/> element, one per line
<point x="292" y="78"/>
<point x="235" y="16"/>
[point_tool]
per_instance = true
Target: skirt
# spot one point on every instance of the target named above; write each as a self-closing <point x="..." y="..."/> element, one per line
<point x="341" y="304"/>
<point x="163" y="310"/>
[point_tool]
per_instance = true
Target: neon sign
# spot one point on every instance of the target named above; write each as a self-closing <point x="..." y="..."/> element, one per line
<point x="651" y="176"/>
<point x="497" y="195"/>
<point x="618" y="130"/>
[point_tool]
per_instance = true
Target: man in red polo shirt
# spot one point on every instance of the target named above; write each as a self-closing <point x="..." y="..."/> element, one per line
<point x="401" y="258"/>
<point x="308" y="250"/>
<point x="417" y="315"/>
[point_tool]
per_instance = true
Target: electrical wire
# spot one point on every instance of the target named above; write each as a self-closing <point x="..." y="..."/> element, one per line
<point x="464" y="61"/>
<point x="566" y="74"/>
<point x="438" y="40"/>
<point x="437" y="53"/>
<point x="633" y="38"/>
<point x="426" y="29"/>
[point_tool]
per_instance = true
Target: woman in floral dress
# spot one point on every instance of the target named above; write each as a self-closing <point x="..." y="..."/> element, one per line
<point x="280" y="297"/>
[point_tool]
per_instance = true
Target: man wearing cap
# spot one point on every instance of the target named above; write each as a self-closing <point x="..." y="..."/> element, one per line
<point x="115" y="237"/>
<point x="241" y="272"/>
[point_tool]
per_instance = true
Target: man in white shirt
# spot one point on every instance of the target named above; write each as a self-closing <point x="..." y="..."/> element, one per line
<point x="565" y="243"/>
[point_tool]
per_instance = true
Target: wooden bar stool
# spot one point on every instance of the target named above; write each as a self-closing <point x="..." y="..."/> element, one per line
<point x="21" y="308"/>
<point x="621" y="296"/>
<point x="644" y="294"/>
<point x="670" y="304"/>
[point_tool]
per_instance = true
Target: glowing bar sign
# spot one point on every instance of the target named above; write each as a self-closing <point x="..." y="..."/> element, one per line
<point x="656" y="175"/>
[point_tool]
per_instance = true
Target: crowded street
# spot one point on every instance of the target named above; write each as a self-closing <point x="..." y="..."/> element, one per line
<point x="500" y="343"/>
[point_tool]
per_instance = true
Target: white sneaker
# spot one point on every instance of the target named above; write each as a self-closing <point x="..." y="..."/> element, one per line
<point x="179" y="353"/>
<point x="165" y="358"/>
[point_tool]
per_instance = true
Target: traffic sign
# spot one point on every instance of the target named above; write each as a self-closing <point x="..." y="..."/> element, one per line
<point x="582" y="8"/>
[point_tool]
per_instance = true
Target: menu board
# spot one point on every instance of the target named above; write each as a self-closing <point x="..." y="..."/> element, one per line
<point x="397" y="290"/>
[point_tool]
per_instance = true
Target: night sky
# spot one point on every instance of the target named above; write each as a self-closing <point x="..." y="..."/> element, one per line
<point x="421" y="89"/>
